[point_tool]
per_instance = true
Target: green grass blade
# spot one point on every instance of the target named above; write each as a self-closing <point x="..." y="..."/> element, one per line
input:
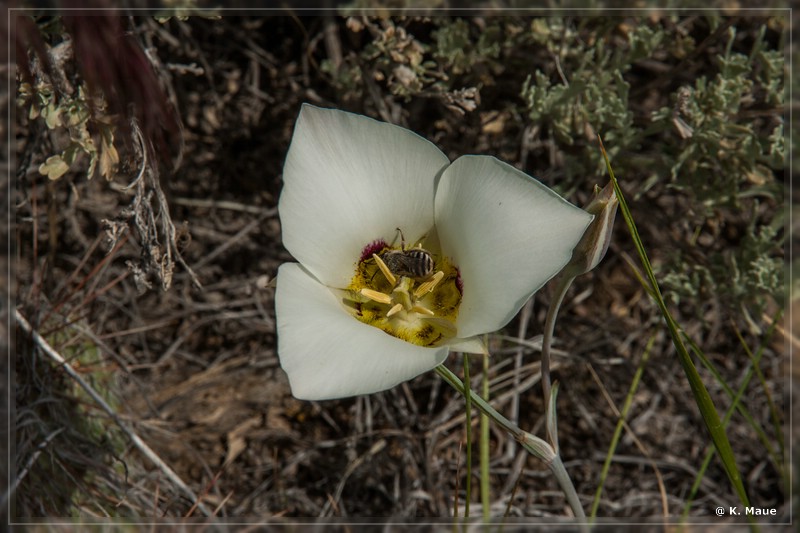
<point x="620" y="425"/>
<point x="736" y="405"/>
<point x="775" y="456"/>
<point x="703" y="400"/>
<point x="532" y="444"/>
<point x="468" y="429"/>
<point x="756" y="360"/>
<point x="486" y="504"/>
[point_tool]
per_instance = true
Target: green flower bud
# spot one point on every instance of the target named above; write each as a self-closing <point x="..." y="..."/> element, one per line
<point x="593" y="245"/>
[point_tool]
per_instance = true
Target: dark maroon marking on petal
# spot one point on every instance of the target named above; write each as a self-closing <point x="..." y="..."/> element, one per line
<point x="459" y="283"/>
<point x="373" y="248"/>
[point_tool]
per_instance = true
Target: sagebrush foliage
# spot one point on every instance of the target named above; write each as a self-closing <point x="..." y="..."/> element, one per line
<point x="76" y="120"/>
<point x="675" y="129"/>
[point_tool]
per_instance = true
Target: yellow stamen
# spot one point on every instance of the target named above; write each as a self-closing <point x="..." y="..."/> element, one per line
<point x="394" y="310"/>
<point x="376" y="296"/>
<point x="427" y="286"/>
<point x="420" y="311"/>
<point x="385" y="269"/>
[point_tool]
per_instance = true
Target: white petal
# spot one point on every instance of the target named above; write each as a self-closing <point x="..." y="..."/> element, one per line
<point x="507" y="233"/>
<point x="349" y="180"/>
<point x="329" y="354"/>
<point x="470" y="345"/>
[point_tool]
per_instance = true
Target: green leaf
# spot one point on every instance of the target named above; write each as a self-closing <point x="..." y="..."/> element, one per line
<point x="702" y="398"/>
<point x="52" y="115"/>
<point x="54" y="167"/>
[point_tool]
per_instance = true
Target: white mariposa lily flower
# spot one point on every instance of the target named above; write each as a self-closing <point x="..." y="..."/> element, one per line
<point x="349" y="320"/>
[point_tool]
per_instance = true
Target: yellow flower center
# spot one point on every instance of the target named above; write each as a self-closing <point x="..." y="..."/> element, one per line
<point x="420" y="310"/>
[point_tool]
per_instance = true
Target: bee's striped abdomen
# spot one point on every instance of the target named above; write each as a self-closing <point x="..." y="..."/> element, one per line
<point x="413" y="263"/>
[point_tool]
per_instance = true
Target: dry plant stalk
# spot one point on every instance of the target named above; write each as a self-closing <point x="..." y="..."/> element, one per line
<point x="160" y="239"/>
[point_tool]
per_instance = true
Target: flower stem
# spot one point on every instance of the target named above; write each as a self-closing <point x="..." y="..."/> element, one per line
<point x="563" y="285"/>
<point x="531" y="443"/>
<point x="468" y="429"/>
<point x="484" y="440"/>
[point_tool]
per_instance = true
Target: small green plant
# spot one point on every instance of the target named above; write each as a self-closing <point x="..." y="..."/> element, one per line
<point x="74" y="116"/>
<point x="721" y="144"/>
<point x="726" y="161"/>
<point x="729" y="151"/>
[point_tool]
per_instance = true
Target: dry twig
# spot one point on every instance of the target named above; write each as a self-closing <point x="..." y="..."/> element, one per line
<point x="137" y="441"/>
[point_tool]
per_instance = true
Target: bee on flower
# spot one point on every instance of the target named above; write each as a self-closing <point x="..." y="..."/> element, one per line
<point x="359" y="313"/>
